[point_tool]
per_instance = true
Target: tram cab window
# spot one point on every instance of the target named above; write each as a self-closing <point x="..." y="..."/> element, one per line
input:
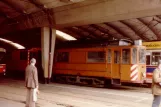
<point x="109" y="56"/>
<point x="96" y="56"/>
<point x="134" y="55"/>
<point x="142" y="56"/>
<point x="62" y="57"/>
<point x="125" y="56"/>
<point x="155" y="57"/>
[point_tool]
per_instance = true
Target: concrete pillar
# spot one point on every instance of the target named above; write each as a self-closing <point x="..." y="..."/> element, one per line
<point x="53" y="38"/>
<point x="48" y="37"/>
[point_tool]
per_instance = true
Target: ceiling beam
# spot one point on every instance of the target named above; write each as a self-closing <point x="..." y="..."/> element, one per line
<point x="106" y="31"/>
<point x="150" y="27"/>
<point x="132" y="28"/>
<point x="118" y="30"/>
<point x="8" y="20"/>
<point x="38" y="5"/>
<point x="81" y="32"/>
<point x="109" y="30"/>
<point x="111" y="10"/>
<point x="49" y="12"/>
<point x="102" y="34"/>
<point x="14" y="7"/>
<point x="87" y="29"/>
<point x="90" y="34"/>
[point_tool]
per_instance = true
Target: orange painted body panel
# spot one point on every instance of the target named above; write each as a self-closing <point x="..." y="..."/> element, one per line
<point x="81" y="69"/>
<point x="125" y="72"/>
<point x="78" y="64"/>
<point x="115" y="71"/>
<point x="108" y="70"/>
<point x="100" y="70"/>
<point x="91" y="67"/>
<point x="82" y="73"/>
<point x="78" y="57"/>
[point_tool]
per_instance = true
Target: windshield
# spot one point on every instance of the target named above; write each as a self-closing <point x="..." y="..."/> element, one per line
<point x="142" y="56"/>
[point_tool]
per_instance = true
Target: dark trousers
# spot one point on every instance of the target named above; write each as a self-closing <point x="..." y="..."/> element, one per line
<point x="156" y="101"/>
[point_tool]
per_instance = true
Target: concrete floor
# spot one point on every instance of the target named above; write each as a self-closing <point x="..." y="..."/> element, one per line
<point x="12" y="94"/>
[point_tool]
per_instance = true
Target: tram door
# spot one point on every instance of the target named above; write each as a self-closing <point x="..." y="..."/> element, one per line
<point x="126" y="57"/>
<point x="115" y="74"/>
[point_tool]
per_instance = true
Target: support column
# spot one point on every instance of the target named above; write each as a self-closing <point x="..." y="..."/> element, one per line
<point x="53" y="38"/>
<point x="48" y="37"/>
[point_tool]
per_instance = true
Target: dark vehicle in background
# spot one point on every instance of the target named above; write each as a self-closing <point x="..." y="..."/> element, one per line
<point x="2" y="63"/>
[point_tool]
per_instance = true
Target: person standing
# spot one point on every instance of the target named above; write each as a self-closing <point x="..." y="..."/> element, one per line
<point x="31" y="83"/>
<point x="156" y="86"/>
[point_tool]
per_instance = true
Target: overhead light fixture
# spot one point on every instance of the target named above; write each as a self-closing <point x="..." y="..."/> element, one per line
<point x="64" y="35"/>
<point x="59" y="33"/>
<point x="16" y="45"/>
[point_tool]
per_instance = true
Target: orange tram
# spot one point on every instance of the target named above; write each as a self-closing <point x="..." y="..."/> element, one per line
<point x="102" y="65"/>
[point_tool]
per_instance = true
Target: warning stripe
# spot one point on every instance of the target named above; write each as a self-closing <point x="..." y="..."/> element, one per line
<point x="134" y="72"/>
<point x="134" y="75"/>
<point x="133" y="66"/>
<point x="135" y="78"/>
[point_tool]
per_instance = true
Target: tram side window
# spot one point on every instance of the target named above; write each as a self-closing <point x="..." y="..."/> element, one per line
<point x="109" y="56"/>
<point x="142" y="56"/>
<point x="23" y="55"/>
<point x="63" y="57"/>
<point x="148" y="60"/>
<point x="116" y="57"/>
<point x="96" y="56"/>
<point x="125" y="56"/>
<point x="155" y="57"/>
<point x="134" y="55"/>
